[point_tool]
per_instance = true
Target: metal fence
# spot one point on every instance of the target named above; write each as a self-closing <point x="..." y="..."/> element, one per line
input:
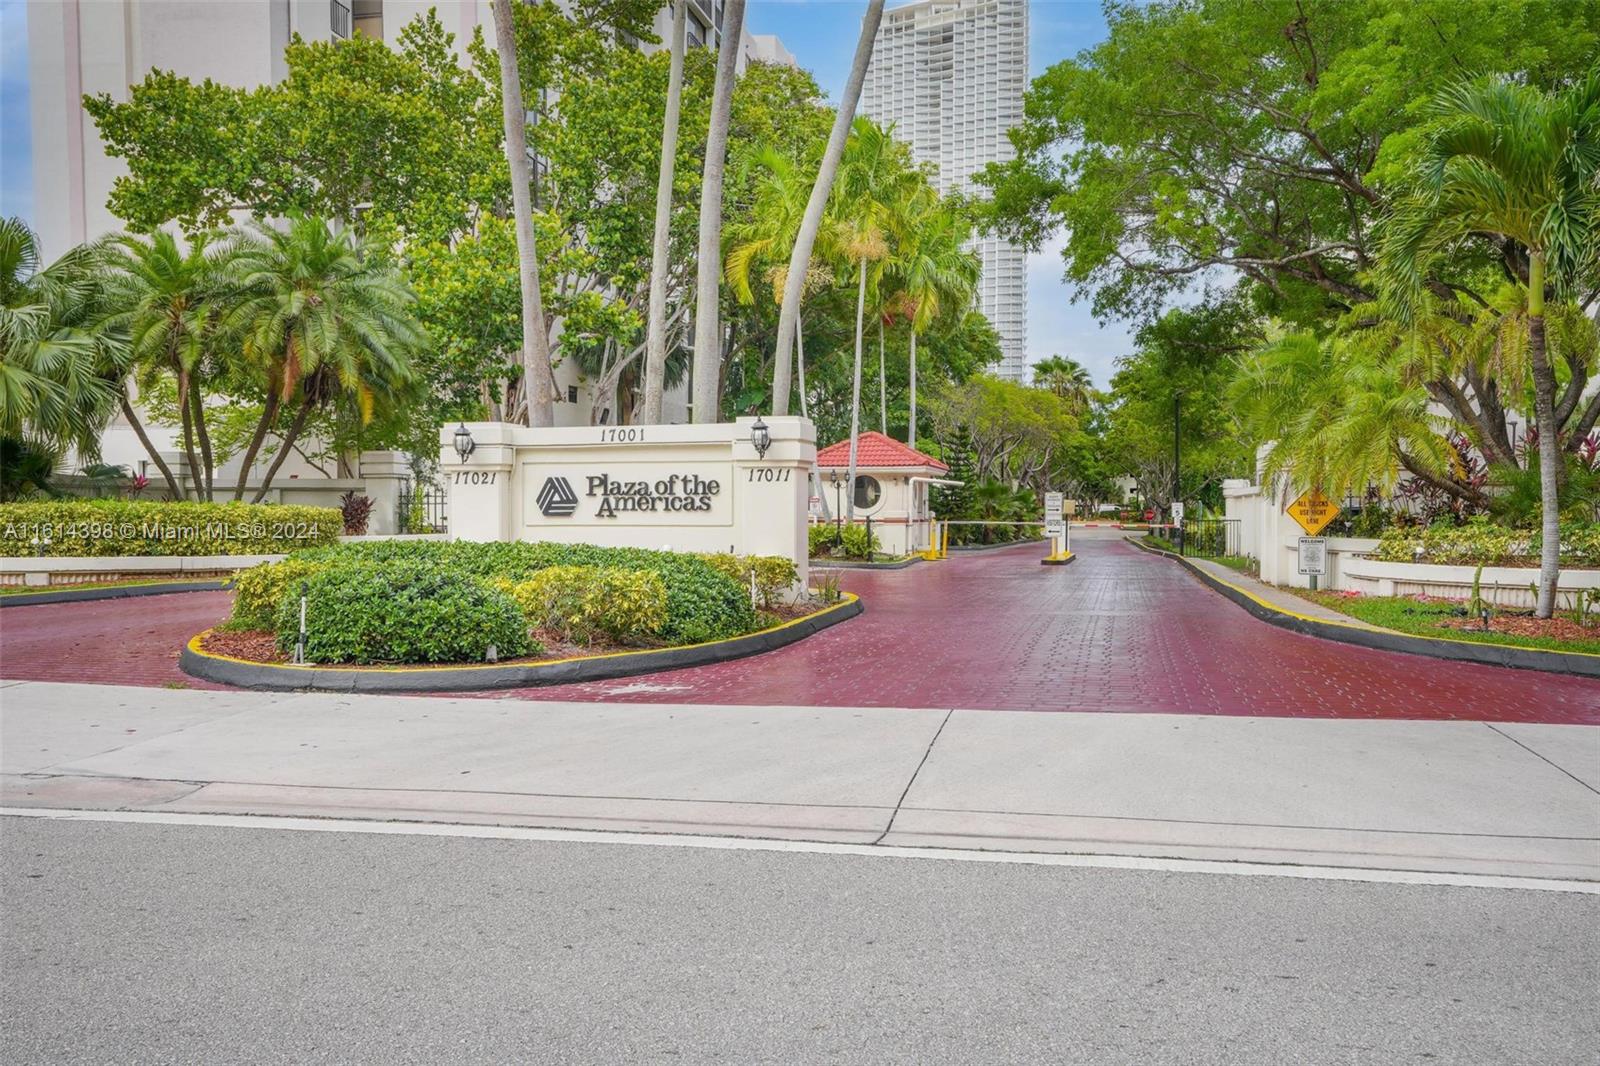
<point x="1213" y="537"/>
<point x="423" y="509"/>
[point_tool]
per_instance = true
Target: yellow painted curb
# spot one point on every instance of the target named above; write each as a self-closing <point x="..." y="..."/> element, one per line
<point x="194" y="647"/>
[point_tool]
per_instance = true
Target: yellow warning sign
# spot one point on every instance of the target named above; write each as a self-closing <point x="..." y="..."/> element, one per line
<point x="1313" y="511"/>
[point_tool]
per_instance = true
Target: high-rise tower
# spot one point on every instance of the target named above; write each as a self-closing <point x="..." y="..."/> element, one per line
<point x="949" y="75"/>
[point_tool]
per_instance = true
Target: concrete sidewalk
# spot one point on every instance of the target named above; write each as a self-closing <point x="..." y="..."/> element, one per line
<point x="1454" y="797"/>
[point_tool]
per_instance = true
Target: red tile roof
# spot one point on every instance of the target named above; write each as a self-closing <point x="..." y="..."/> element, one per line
<point x="874" y="450"/>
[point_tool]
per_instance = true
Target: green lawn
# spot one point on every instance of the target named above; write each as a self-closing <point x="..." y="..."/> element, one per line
<point x="1406" y="615"/>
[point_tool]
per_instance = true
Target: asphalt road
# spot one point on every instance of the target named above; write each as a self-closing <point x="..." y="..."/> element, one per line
<point x="149" y="943"/>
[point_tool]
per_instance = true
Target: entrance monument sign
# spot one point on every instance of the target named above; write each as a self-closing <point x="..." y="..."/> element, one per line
<point x="684" y="487"/>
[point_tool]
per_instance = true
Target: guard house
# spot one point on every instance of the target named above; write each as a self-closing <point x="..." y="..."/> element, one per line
<point x="892" y="482"/>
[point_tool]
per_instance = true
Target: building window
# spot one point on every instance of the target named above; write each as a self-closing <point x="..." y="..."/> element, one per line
<point x="367" y="18"/>
<point x="572" y="394"/>
<point x="339" y="18"/>
<point x="868" y="491"/>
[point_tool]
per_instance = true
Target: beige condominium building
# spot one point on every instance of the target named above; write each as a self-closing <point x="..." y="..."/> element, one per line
<point x="949" y="75"/>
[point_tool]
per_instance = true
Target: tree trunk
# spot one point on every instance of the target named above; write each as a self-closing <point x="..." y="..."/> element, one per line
<point x="800" y="359"/>
<point x="1544" y="415"/>
<point x="855" y="395"/>
<point x="883" y="385"/>
<point x="911" y="422"/>
<point x="708" y="288"/>
<point x="283" y="452"/>
<point x="655" y="360"/>
<point x="198" y="416"/>
<point x="144" y="439"/>
<point x="806" y="238"/>
<point x="186" y="420"/>
<point x="269" y="412"/>
<point x="536" y="369"/>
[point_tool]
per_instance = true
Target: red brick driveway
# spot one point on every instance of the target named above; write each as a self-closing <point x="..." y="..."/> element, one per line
<point x="1118" y="630"/>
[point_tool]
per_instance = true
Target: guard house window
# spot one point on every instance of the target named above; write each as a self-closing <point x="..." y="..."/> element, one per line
<point x="572" y="394"/>
<point x="339" y="18"/>
<point x="867" y="491"/>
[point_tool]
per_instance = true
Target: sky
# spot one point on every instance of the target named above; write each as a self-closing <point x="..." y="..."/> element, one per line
<point x="822" y="36"/>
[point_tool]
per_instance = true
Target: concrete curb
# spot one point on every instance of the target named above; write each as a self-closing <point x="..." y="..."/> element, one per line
<point x="847" y="564"/>
<point x="120" y="592"/>
<point x="279" y="677"/>
<point x="1581" y="664"/>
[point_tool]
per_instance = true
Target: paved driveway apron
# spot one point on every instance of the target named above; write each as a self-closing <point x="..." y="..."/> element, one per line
<point x="1118" y="630"/>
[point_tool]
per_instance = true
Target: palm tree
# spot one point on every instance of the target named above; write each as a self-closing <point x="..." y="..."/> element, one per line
<point x="655" y="357"/>
<point x="1067" y="378"/>
<point x="167" y="301"/>
<point x="1522" y="168"/>
<point x="936" y="272"/>
<point x="316" y="323"/>
<point x="707" y="324"/>
<point x="538" y="380"/>
<point x="811" y="224"/>
<point x="59" y="378"/>
<point x="876" y="176"/>
<point x="768" y="236"/>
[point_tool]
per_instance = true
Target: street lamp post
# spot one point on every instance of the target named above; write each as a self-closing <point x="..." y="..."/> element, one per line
<point x="1177" y="457"/>
<point x="838" y="511"/>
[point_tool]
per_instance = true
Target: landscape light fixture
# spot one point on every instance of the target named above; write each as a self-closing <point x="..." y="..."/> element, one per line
<point x="760" y="437"/>
<point x="465" y="445"/>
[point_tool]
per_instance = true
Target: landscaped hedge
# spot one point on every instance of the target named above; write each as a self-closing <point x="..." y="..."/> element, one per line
<point x="401" y="612"/>
<point x="1478" y="543"/>
<point x="582" y="603"/>
<point x="107" y="527"/>
<point x="701" y="603"/>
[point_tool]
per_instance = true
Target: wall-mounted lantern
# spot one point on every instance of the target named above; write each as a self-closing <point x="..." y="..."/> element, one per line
<point x="760" y="437"/>
<point x="465" y="445"/>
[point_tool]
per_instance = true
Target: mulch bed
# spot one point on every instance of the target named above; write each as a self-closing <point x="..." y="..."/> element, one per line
<point x="259" y="646"/>
<point x="1522" y="625"/>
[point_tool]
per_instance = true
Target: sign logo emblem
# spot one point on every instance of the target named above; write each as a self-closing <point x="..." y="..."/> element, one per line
<point x="556" y="498"/>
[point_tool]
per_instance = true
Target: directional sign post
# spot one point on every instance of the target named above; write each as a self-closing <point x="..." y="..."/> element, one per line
<point x="1055" y="524"/>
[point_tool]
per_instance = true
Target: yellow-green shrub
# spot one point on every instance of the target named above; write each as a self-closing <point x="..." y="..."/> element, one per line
<point x="258" y="590"/>
<point x="773" y="573"/>
<point x="580" y="603"/>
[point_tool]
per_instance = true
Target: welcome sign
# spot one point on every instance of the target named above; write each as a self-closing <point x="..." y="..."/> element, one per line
<point x="638" y="493"/>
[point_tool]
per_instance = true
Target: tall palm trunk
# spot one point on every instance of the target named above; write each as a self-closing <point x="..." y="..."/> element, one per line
<point x="538" y="383"/>
<point x="883" y="386"/>
<point x="198" y="417"/>
<point x="1544" y="416"/>
<point x="806" y="239"/>
<point x="144" y="439"/>
<point x="855" y="396"/>
<point x="800" y="360"/>
<point x="911" y="421"/>
<point x="186" y="422"/>
<point x="655" y="357"/>
<point x="289" y="438"/>
<point x="707" y="325"/>
<point x="269" y="412"/>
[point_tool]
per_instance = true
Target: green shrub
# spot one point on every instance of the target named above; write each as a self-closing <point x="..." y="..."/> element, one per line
<point x="732" y="566"/>
<point x="258" y="590"/>
<point x="581" y="603"/>
<point x="822" y="539"/>
<point x="702" y="604"/>
<point x="109" y="527"/>
<point x="849" y="542"/>
<point x="857" y="545"/>
<point x="402" y="612"/>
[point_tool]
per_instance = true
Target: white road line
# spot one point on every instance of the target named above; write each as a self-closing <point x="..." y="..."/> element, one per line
<point x="719" y="843"/>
